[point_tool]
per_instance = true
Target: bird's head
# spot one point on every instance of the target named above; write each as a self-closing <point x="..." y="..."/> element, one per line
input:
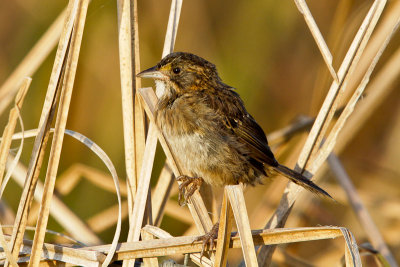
<point x="183" y="72"/>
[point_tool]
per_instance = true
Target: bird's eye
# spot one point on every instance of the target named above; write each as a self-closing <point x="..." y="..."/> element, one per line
<point x="176" y="70"/>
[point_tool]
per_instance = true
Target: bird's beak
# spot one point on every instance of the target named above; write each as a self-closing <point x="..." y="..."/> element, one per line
<point x="151" y="73"/>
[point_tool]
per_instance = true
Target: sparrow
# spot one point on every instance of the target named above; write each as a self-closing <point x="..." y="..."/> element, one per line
<point x="209" y="130"/>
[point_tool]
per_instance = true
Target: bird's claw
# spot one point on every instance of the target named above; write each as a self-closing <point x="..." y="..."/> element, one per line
<point x="188" y="186"/>
<point x="208" y="239"/>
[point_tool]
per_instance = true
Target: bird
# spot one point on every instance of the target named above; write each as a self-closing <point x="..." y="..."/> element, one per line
<point x="209" y="130"/>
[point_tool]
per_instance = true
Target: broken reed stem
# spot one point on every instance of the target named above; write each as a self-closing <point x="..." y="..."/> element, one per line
<point x="42" y="137"/>
<point x="12" y="122"/>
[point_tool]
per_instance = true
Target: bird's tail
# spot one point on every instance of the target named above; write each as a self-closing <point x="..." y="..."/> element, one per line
<point x="299" y="179"/>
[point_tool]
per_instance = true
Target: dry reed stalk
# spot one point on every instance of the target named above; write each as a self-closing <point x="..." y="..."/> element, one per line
<point x="238" y="204"/>
<point x="63" y="254"/>
<point x="133" y="115"/>
<point x="143" y="185"/>
<point x="307" y="156"/>
<point x="31" y="62"/>
<point x="42" y="137"/>
<point x="184" y="244"/>
<point x="90" y="256"/>
<point x="148" y="262"/>
<point x="359" y="208"/>
<point x="160" y="233"/>
<point x="61" y="121"/>
<point x="10" y="127"/>
<point x="224" y="233"/>
<point x="319" y="39"/>
<point x="151" y="143"/>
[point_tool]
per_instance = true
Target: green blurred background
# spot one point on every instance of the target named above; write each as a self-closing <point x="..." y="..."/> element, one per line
<point x="263" y="48"/>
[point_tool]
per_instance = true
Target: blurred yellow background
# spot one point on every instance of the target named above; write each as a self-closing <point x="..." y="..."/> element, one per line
<point x="265" y="50"/>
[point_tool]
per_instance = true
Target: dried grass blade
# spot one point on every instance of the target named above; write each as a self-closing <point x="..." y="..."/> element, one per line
<point x="31" y="62"/>
<point x="224" y="232"/>
<point x="61" y="121"/>
<point x="359" y="208"/>
<point x="107" y="161"/>
<point x="41" y="139"/>
<point x="196" y="204"/>
<point x="238" y="204"/>
<point x="9" y="130"/>
<point x="319" y="39"/>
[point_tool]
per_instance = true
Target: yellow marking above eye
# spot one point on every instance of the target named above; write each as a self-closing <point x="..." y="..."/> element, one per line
<point x="166" y="67"/>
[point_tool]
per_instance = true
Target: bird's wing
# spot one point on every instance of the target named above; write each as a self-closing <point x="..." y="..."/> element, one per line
<point x="241" y="124"/>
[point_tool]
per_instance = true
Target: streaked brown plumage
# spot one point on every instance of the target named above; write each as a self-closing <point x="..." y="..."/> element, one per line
<point x="208" y="128"/>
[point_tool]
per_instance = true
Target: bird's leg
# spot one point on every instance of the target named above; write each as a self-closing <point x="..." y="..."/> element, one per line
<point x="188" y="186"/>
<point x="208" y="239"/>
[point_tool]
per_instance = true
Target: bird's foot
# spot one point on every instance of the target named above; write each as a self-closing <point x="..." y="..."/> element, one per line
<point x="208" y="239"/>
<point x="188" y="186"/>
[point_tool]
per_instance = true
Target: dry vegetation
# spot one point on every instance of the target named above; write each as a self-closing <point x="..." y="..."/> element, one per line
<point x="335" y="62"/>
